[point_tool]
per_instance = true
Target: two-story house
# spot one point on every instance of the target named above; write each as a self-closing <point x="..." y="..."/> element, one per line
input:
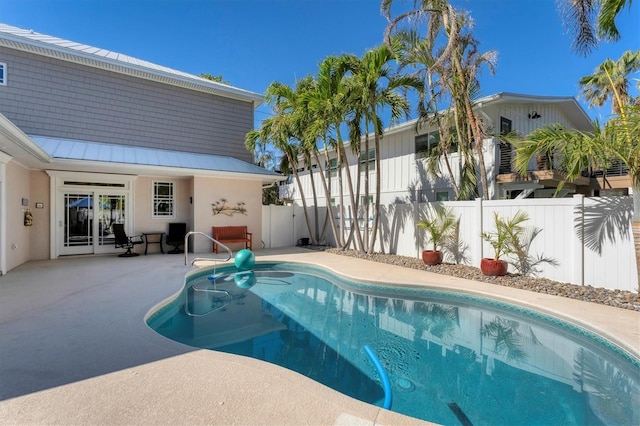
<point x="403" y="164"/>
<point x="90" y="137"/>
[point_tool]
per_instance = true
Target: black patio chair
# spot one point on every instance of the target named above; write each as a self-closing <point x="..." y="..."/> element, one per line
<point x="124" y="241"/>
<point x="175" y="237"/>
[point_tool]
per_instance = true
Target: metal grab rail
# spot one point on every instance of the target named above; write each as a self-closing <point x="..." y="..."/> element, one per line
<point x="186" y="248"/>
<point x="217" y="303"/>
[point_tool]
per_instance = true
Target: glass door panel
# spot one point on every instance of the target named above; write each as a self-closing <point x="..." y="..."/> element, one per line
<point x="77" y="223"/>
<point x="87" y="221"/>
<point x="110" y="210"/>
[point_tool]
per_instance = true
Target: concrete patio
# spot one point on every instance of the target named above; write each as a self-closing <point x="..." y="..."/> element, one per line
<point x="74" y="347"/>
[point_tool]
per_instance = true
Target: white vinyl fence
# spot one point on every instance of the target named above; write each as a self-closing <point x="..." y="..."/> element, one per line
<point x="589" y="238"/>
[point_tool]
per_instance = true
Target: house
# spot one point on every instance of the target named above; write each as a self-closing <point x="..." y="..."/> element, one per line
<point x="403" y="168"/>
<point x="90" y="137"/>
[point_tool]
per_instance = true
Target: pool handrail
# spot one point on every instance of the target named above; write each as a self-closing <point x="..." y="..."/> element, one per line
<point x="386" y="383"/>
<point x="213" y="309"/>
<point x="186" y="248"/>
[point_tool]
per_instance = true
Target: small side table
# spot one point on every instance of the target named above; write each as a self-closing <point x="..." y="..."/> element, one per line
<point x="156" y="238"/>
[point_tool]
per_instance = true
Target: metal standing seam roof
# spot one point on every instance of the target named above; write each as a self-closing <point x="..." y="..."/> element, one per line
<point x="119" y="154"/>
<point x="46" y="45"/>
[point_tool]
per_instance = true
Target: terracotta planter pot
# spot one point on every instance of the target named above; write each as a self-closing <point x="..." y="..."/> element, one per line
<point x="431" y="257"/>
<point x="493" y="267"/>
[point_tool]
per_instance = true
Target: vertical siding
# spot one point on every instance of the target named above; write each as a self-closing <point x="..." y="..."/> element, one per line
<point x="611" y="256"/>
<point x="49" y="97"/>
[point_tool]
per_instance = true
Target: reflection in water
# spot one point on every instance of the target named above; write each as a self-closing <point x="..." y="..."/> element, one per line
<point x="611" y="394"/>
<point x="508" y="338"/>
<point x="494" y="366"/>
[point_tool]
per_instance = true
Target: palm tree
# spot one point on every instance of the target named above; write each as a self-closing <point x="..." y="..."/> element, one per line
<point x="589" y="24"/>
<point x="369" y="73"/>
<point x="416" y="52"/>
<point x="456" y="64"/>
<point x="465" y="62"/>
<point x="279" y="131"/>
<point x="326" y="103"/>
<point x="598" y="89"/>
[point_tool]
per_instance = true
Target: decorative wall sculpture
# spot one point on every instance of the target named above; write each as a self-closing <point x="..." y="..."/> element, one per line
<point x="220" y="207"/>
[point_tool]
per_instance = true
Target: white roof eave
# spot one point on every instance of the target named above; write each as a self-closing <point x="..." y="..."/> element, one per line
<point x="21" y="141"/>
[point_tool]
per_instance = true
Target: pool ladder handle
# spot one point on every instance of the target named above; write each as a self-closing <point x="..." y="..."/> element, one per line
<point x="209" y="237"/>
<point x="386" y="383"/>
<point x="228" y="300"/>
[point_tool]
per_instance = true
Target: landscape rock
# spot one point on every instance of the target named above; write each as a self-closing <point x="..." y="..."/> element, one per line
<point x="617" y="298"/>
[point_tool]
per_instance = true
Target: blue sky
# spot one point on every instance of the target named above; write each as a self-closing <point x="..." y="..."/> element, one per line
<point x="252" y="43"/>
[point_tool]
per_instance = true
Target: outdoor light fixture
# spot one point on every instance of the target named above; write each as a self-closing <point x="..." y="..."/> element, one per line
<point x="533" y="115"/>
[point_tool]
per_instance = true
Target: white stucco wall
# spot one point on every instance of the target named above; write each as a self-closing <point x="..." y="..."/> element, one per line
<point x="209" y="190"/>
<point x="144" y="222"/>
<point x="17" y="235"/>
<point x="39" y="233"/>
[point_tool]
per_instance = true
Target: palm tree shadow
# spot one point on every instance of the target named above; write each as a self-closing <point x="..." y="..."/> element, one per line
<point x="605" y="220"/>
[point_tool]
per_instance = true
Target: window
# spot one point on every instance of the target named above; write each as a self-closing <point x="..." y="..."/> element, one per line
<point x="442" y="196"/>
<point x="163" y="200"/>
<point x="333" y="167"/>
<point x="372" y="160"/>
<point x="505" y="126"/>
<point x="3" y="74"/>
<point x="366" y="200"/>
<point x="426" y="143"/>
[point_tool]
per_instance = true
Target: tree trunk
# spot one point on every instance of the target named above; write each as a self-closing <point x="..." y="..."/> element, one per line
<point x="304" y="201"/>
<point x="635" y="226"/>
<point x="339" y="161"/>
<point x="315" y="204"/>
<point x="366" y="189"/>
<point x="352" y="196"/>
<point x="327" y="193"/>
<point x="376" y="210"/>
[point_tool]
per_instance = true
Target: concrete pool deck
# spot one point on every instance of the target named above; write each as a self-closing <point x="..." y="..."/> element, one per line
<point x="74" y="347"/>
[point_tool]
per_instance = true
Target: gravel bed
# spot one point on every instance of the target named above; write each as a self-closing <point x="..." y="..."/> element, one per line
<point x="617" y="298"/>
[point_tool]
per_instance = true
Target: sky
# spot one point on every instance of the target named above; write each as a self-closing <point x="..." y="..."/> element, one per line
<point x="253" y="43"/>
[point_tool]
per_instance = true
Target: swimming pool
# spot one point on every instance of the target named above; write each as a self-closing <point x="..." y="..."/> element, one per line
<point x="447" y="356"/>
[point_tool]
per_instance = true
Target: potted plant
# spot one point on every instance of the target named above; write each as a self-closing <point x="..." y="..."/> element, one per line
<point x="438" y="229"/>
<point x="503" y="241"/>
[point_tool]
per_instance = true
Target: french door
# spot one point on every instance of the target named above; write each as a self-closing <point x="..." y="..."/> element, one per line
<point x="86" y="222"/>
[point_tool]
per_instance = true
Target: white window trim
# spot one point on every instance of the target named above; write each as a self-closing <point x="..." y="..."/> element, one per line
<point x="153" y="199"/>
<point x="3" y="82"/>
<point x="56" y="183"/>
<point x="372" y="161"/>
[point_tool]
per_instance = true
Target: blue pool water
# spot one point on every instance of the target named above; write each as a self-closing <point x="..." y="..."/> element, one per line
<point x="447" y="356"/>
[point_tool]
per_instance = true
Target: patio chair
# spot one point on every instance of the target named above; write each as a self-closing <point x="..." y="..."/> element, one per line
<point x="175" y="237"/>
<point x="124" y="241"/>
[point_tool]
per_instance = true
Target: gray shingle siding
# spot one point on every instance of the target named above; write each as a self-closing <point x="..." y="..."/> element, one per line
<point x="49" y="97"/>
